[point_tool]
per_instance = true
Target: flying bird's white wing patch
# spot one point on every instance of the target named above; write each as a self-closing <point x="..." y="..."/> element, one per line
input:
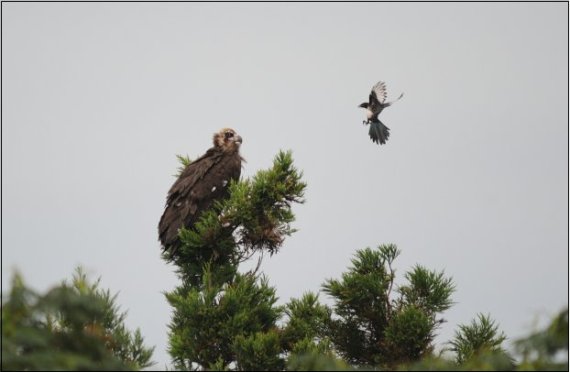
<point x="380" y="90"/>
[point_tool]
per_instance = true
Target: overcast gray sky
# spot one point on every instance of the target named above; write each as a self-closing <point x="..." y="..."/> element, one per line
<point x="99" y="97"/>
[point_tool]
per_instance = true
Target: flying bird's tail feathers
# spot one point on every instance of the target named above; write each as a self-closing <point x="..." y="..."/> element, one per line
<point x="378" y="132"/>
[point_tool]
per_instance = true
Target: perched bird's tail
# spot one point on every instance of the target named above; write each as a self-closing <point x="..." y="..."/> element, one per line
<point x="378" y="132"/>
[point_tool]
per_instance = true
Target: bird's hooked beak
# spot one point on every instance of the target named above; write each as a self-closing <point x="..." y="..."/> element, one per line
<point x="238" y="140"/>
<point x="363" y="105"/>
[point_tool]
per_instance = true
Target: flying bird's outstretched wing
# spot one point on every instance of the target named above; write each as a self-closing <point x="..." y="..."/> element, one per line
<point x="377" y="96"/>
<point x="394" y="101"/>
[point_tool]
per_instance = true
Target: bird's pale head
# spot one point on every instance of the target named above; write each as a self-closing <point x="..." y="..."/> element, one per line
<point x="227" y="139"/>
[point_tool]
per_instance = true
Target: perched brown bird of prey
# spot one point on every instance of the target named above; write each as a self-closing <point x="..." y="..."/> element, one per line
<point x="201" y="183"/>
<point x="378" y="132"/>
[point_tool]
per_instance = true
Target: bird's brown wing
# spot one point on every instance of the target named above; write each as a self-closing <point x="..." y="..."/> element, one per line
<point x="200" y="184"/>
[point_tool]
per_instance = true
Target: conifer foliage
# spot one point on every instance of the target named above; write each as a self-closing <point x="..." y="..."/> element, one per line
<point x="226" y="319"/>
<point x="75" y="326"/>
<point x="372" y="327"/>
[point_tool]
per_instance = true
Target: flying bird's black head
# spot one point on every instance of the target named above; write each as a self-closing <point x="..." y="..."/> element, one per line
<point x="227" y="139"/>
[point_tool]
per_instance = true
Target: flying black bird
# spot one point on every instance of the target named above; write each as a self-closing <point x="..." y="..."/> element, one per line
<point x="202" y="182"/>
<point x="378" y="132"/>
